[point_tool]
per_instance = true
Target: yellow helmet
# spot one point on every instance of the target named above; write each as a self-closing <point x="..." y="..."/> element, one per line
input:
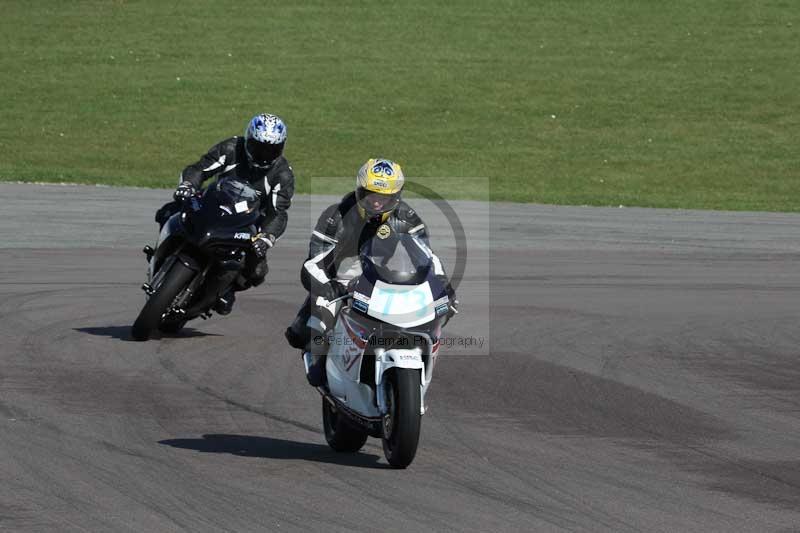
<point x="379" y="185"/>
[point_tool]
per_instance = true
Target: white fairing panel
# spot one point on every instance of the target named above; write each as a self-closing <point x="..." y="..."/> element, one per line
<point x="402" y="358"/>
<point x="343" y="367"/>
<point x="348" y="344"/>
<point x="404" y="306"/>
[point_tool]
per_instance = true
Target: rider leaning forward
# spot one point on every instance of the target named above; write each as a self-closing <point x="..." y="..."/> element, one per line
<point x="256" y="157"/>
<point x="375" y="206"/>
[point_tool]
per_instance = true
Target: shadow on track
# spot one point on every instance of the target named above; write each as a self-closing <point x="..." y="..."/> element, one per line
<point x="250" y="446"/>
<point x="123" y="333"/>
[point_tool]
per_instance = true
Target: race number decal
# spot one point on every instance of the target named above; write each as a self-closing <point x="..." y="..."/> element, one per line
<point x="402" y="305"/>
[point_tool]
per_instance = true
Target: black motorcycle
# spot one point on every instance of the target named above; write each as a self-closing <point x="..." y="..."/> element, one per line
<point x="201" y="251"/>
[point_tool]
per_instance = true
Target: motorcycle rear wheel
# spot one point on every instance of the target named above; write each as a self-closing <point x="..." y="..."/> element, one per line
<point x="341" y="436"/>
<point x="401" y="428"/>
<point x="150" y="316"/>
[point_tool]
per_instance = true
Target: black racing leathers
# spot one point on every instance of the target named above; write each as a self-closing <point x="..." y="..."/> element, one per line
<point x="339" y="234"/>
<point x="333" y="257"/>
<point x="276" y="183"/>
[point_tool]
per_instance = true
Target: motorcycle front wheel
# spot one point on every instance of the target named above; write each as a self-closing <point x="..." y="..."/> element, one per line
<point x="401" y="425"/>
<point x="149" y="318"/>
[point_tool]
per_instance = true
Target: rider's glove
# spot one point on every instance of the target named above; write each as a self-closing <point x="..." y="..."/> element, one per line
<point x="184" y="191"/>
<point x="332" y="290"/>
<point x="453" y="309"/>
<point x="451" y="293"/>
<point x="262" y="243"/>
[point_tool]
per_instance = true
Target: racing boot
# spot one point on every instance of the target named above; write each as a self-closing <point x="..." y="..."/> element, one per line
<point x="295" y="339"/>
<point x="315" y="369"/>
<point x="225" y="303"/>
<point x="148" y="252"/>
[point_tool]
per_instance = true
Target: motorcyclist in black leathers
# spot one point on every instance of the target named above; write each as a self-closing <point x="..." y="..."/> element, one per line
<point x="333" y="254"/>
<point x="256" y="157"/>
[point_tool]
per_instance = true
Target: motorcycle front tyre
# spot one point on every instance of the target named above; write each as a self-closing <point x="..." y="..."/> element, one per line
<point x="149" y="318"/>
<point x="403" y="398"/>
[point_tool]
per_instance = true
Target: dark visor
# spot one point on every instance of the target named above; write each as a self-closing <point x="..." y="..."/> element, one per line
<point x="263" y="153"/>
<point x="375" y="202"/>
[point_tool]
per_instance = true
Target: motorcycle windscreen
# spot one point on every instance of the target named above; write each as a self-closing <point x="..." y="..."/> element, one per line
<point x="231" y="203"/>
<point x="238" y="194"/>
<point x="405" y="306"/>
<point x="401" y="265"/>
<point x="399" y="259"/>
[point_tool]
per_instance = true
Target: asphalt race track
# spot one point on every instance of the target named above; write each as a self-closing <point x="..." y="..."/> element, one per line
<point x="640" y="373"/>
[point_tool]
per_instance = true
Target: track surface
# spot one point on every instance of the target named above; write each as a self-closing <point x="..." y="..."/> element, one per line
<point x="643" y="375"/>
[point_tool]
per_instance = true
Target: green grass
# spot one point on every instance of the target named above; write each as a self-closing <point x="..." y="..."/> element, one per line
<point x="604" y="102"/>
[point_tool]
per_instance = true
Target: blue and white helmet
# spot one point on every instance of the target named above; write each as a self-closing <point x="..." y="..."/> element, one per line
<point x="264" y="139"/>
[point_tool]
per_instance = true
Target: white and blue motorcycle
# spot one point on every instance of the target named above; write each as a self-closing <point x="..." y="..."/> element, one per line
<point x="383" y="349"/>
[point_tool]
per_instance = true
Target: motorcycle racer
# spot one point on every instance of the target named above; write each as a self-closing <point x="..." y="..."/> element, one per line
<point x="256" y="157"/>
<point x="374" y="208"/>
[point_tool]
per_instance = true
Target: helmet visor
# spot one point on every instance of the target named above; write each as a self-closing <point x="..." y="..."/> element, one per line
<point x="375" y="203"/>
<point x="263" y="154"/>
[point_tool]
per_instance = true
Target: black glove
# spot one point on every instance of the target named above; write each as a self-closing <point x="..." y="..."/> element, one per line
<point x="451" y="293"/>
<point x="332" y="290"/>
<point x="453" y="309"/>
<point x="261" y="243"/>
<point x="184" y="191"/>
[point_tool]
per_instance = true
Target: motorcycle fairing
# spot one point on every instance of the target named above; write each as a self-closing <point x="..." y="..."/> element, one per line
<point x="209" y="233"/>
<point x="355" y="337"/>
<point x="404" y="306"/>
